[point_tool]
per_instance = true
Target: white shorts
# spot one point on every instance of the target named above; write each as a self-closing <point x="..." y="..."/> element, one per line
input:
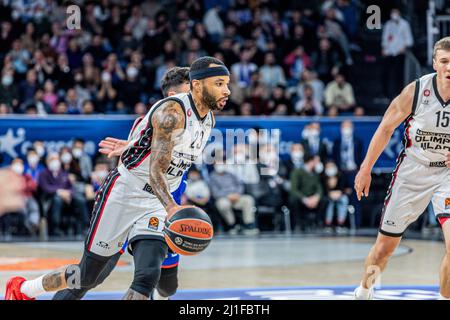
<point x="123" y="210"/>
<point x="412" y="188"/>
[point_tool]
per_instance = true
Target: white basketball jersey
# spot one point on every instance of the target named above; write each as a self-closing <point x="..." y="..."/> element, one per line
<point x="186" y="150"/>
<point x="427" y="129"/>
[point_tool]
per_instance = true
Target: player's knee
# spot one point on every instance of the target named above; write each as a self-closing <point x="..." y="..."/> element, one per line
<point x="145" y="279"/>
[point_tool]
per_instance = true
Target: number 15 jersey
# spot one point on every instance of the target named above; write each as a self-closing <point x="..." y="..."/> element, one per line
<point x="427" y="129"/>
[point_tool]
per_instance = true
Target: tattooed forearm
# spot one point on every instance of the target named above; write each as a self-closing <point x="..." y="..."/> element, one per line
<point x="133" y="295"/>
<point x="168" y="121"/>
<point x="55" y="280"/>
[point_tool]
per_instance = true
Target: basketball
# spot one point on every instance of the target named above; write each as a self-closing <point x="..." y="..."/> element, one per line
<point x="189" y="231"/>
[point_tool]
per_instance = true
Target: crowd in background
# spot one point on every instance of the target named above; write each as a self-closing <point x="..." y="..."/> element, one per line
<point x="285" y="58"/>
<point x="245" y="193"/>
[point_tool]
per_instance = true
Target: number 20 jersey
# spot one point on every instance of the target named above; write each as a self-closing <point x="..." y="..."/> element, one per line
<point x="427" y="129"/>
<point x="188" y="147"/>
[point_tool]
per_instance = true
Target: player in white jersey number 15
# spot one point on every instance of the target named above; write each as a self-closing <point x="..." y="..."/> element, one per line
<point x="422" y="172"/>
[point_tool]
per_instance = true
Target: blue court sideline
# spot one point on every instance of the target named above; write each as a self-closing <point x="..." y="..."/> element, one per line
<point x="288" y="293"/>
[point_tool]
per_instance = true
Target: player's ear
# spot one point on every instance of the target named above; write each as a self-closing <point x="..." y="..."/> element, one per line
<point x="434" y="64"/>
<point x="196" y="85"/>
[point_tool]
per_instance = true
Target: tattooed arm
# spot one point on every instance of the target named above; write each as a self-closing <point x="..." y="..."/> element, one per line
<point x="168" y="124"/>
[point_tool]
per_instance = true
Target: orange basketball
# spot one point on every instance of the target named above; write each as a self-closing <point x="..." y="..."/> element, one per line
<point x="189" y="231"/>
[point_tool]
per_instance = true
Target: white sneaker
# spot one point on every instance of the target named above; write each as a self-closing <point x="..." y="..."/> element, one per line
<point x="356" y="296"/>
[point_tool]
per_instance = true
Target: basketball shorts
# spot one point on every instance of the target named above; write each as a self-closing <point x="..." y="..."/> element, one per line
<point x="123" y="210"/>
<point x="412" y="188"/>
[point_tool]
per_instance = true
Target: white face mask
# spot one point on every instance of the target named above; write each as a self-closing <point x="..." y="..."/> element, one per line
<point x="331" y="171"/>
<point x="297" y="155"/>
<point x="33" y="160"/>
<point x="17" y="168"/>
<point x="54" y="165"/>
<point x="240" y="158"/>
<point x="319" y="168"/>
<point x="395" y="16"/>
<point x="7" y="80"/>
<point x="132" y="72"/>
<point x="347" y="132"/>
<point x="314" y="133"/>
<point x="77" y="153"/>
<point x="40" y="151"/>
<point x="66" y="158"/>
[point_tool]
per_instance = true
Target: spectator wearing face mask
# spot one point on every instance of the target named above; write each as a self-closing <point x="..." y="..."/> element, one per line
<point x="57" y="189"/>
<point x="348" y="155"/>
<point x="296" y="156"/>
<point x="30" y="212"/>
<point x="396" y="40"/>
<point x="228" y="192"/>
<point x="336" y="199"/>
<point x="305" y="194"/>
<point x="83" y="160"/>
<point x="8" y="92"/>
<point x="33" y="165"/>
<point x="314" y="145"/>
<point x="39" y="146"/>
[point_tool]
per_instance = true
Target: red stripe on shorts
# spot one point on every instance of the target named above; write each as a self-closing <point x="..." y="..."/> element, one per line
<point x="101" y="212"/>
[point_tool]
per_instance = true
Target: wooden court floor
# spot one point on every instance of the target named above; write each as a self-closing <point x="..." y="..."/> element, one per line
<point x="263" y="261"/>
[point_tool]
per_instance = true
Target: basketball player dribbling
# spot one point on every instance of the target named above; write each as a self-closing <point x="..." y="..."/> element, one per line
<point x="135" y="198"/>
<point x="174" y="81"/>
<point x="422" y="173"/>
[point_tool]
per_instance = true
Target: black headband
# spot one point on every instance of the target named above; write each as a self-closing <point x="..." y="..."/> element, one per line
<point x="208" y="72"/>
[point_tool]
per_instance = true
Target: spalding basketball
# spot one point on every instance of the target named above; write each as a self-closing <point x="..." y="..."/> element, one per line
<point x="189" y="231"/>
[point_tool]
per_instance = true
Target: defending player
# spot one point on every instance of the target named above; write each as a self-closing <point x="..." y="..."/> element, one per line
<point x="163" y="147"/>
<point x="422" y="173"/>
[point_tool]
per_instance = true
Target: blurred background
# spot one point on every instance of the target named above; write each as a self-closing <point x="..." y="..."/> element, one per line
<point x="322" y="72"/>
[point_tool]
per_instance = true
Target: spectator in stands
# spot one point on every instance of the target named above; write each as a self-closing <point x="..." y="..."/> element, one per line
<point x="297" y="62"/>
<point x="5" y="109"/>
<point x="31" y="211"/>
<point x="83" y="160"/>
<point x="107" y="94"/>
<point x="8" y="91"/>
<point x="305" y="194"/>
<point x="339" y="95"/>
<point x="20" y="57"/>
<point x="348" y="155"/>
<point x="50" y="96"/>
<point x="33" y="165"/>
<point x="42" y="107"/>
<point x="313" y="143"/>
<point x="271" y="74"/>
<point x="278" y="97"/>
<point x="326" y="61"/>
<point x="243" y="70"/>
<point x="58" y="192"/>
<point x="228" y="193"/>
<point x="131" y="88"/>
<point x="335" y="197"/>
<point x="396" y="40"/>
<point x="295" y="160"/>
<point x="28" y="87"/>
<point x="61" y="107"/>
<point x="308" y="106"/>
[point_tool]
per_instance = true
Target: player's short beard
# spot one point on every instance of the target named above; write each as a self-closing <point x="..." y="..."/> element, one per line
<point x="209" y="100"/>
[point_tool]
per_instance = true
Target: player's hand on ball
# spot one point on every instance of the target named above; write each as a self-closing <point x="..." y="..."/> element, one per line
<point x="362" y="183"/>
<point x="447" y="160"/>
<point x="112" y="147"/>
<point x="173" y="209"/>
